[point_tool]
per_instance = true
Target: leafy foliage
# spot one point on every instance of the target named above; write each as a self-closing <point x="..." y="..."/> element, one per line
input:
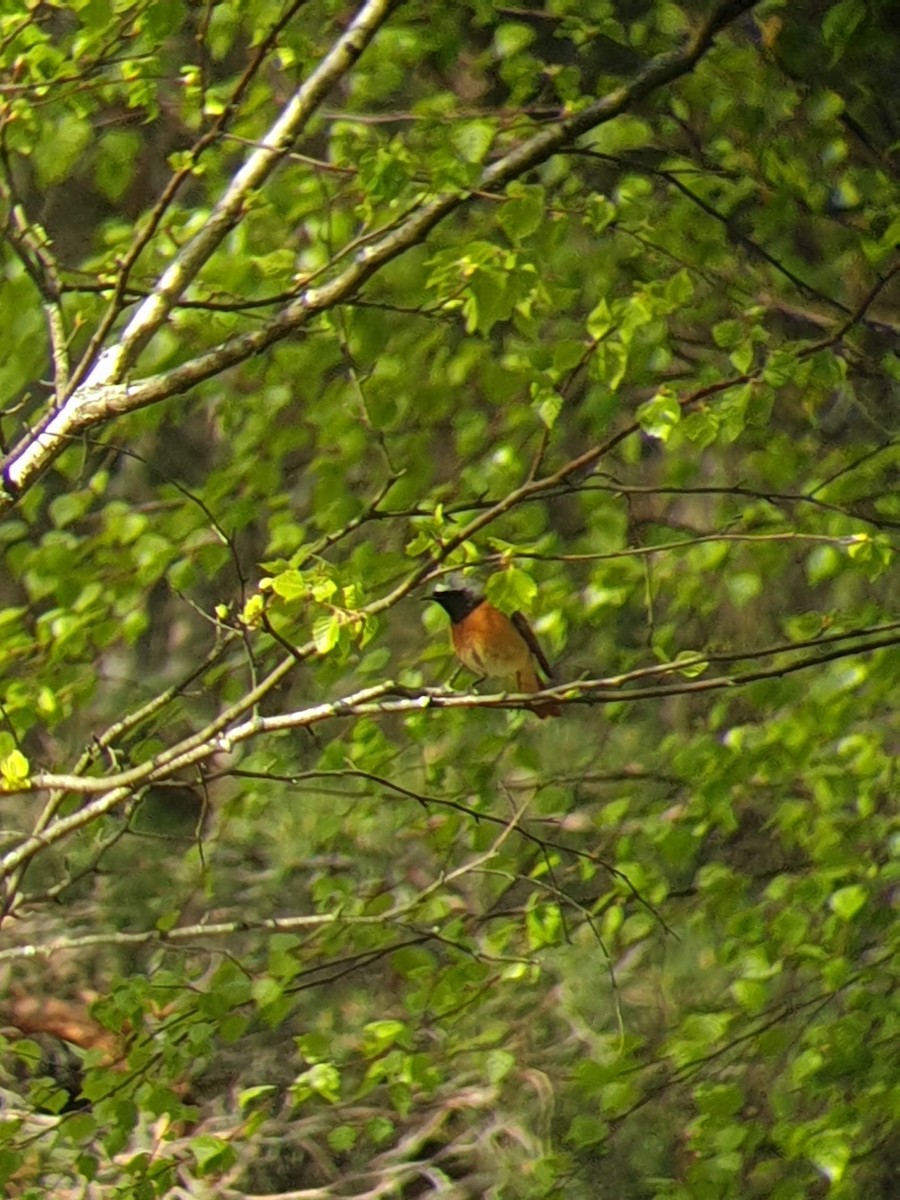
<point x="308" y="308"/>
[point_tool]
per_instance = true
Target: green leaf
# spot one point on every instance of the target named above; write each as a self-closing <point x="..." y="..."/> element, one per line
<point x="586" y="1130"/>
<point x="212" y="1154"/>
<point x="499" y="1064"/>
<point x="839" y="24"/>
<point x="343" y="1138"/>
<point x="267" y="991"/>
<point x="659" y="416"/>
<point x="512" y="589"/>
<point x="728" y="334"/>
<point x="14" y="770"/>
<point x="600" y="320"/>
<point x="473" y="139"/>
<point x="848" y="901"/>
<point x="70" y="506"/>
<point x="601" y="212"/>
<point x="322" y="1079"/>
<point x="779" y="368"/>
<point x="679" y="289"/>
<point x="617" y="1097"/>
<point x="523" y="212"/>
<point x="691" y="664"/>
<point x="326" y="633"/>
<point x="609" y="363"/>
<point x="379" y="1035"/>
<point x="743" y="587"/>
<point x="547" y="402"/>
<point x="511" y="37"/>
<point x="742" y="358"/>
<point x="252" y="1097"/>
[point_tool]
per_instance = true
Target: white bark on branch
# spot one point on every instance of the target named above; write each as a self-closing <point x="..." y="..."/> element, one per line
<point x="387" y="698"/>
<point x="104" y="396"/>
<point x="94" y="403"/>
<point x="113" y="365"/>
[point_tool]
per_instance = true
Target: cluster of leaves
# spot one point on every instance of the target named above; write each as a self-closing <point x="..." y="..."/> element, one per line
<point x="307" y="307"/>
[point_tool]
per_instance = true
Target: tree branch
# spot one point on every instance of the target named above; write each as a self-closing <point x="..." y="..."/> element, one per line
<point x="42" y="445"/>
<point x="375" y="701"/>
<point x="103" y="396"/>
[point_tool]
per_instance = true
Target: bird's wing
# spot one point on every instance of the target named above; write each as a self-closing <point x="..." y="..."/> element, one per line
<point x="519" y="620"/>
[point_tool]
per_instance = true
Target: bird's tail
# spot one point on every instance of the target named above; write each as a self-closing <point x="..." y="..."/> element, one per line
<point x="527" y="681"/>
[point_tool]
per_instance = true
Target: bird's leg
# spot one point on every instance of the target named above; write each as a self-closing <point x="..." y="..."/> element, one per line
<point x="475" y="682"/>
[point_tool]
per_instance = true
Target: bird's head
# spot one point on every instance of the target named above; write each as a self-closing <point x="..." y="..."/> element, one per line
<point x="457" y="602"/>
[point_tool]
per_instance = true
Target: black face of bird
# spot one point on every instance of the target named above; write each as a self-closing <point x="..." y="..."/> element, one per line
<point x="456" y="602"/>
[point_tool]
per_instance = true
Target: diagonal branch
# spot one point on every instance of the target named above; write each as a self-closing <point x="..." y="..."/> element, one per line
<point x="117" y="360"/>
<point x="44" y="443"/>
<point x="145" y="235"/>
<point x="103" y="396"/>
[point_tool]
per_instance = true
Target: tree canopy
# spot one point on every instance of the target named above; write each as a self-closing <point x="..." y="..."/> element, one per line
<point x="310" y="307"/>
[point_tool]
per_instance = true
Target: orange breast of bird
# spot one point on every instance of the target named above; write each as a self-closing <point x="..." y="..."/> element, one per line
<point x="488" y="643"/>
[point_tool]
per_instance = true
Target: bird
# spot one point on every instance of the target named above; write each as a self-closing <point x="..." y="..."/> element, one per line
<point x="488" y="642"/>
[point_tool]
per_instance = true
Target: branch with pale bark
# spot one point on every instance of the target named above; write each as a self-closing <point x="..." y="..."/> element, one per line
<point x="109" y="390"/>
<point x="387" y="698"/>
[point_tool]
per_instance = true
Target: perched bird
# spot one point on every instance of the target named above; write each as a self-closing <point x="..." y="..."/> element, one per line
<point x="490" y="643"/>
